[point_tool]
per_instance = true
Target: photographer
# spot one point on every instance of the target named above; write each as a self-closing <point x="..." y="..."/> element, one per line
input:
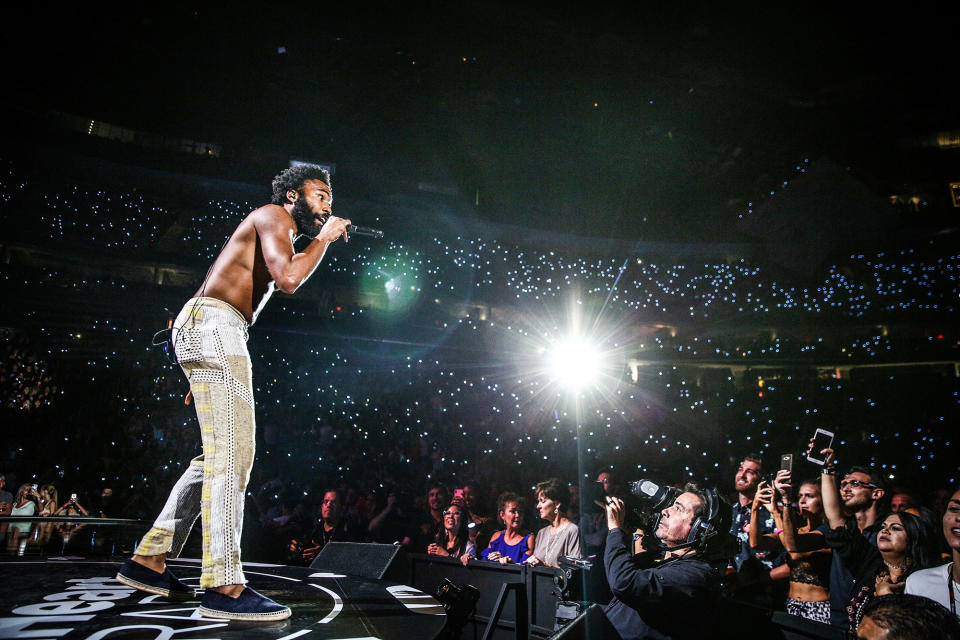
<point x="672" y="596"/>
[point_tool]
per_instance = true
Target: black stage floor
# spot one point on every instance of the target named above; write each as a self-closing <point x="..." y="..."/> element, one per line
<point x="74" y="595"/>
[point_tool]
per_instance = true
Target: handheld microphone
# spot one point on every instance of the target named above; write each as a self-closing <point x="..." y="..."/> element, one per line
<point x="364" y="231"/>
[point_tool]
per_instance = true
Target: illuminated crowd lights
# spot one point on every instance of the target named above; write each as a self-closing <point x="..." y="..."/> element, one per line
<point x="800" y="169"/>
<point x="108" y="219"/>
<point x="452" y="414"/>
<point x="474" y="420"/>
<point x="463" y="268"/>
<point x="11" y="183"/>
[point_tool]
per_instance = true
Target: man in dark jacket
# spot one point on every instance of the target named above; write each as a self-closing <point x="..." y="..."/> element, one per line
<point x="666" y="598"/>
<point x="332" y="526"/>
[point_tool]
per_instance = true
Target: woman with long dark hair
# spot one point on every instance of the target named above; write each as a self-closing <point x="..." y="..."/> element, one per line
<point x="454" y="539"/>
<point x="905" y="544"/>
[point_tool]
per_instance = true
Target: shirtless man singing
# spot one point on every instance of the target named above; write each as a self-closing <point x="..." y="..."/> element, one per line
<point x="209" y="338"/>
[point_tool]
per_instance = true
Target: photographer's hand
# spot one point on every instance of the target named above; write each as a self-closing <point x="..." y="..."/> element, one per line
<point x="615" y="513"/>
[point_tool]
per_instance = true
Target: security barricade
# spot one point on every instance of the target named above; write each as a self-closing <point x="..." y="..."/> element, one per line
<point x="519" y="602"/>
<point x="516" y="601"/>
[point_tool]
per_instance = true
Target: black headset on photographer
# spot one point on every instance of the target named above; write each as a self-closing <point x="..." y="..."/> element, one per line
<point x="706" y="531"/>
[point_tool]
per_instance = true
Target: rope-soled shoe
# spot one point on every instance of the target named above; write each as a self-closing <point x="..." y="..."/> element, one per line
<point x="133" y="574"/>
<point x="249" y="605"/>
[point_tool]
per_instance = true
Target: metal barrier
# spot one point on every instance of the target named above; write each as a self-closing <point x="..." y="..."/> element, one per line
<point x="53" y="536"/>
<point x="521" y="602"/>
<point x="516" y="601"/>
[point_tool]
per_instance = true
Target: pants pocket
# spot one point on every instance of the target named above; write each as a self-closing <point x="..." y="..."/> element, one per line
<point x="188" y="346"/>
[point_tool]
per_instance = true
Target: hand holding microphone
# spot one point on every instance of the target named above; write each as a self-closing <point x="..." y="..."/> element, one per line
<point x="335" y="226"/>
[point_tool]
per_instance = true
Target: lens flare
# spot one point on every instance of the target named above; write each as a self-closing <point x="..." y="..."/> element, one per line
<point x="574" y="362"/>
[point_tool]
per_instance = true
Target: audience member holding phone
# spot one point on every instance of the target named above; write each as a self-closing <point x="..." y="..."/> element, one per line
<point x="821" y="441"/>
<point x="48" y="500"/>
<point x="27" y="501"/>
<point x="901" y="543"/>
<point x="72" y="508"/>
<point x="761" y="574"/>
<point x="858" y="508"/>
<point x="809" y="557"/>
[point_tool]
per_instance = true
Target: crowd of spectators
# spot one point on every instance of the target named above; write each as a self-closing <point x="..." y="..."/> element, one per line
<point x="843" y="543"/>
<point x="918" y="278"/>
<point x="25" y="380"/>
<point x="439" y="440"/>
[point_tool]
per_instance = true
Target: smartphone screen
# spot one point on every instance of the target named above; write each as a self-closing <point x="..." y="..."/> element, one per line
<point x="822" y="439"/>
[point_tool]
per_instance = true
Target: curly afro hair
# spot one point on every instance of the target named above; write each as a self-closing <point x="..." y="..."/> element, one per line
<point x="294" y="177"/>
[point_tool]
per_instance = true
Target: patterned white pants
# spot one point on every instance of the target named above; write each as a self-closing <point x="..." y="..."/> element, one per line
<point x="210" y="340"/>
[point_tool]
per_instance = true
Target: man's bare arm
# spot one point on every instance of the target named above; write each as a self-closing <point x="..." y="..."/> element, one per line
<point x="288" y="269"/>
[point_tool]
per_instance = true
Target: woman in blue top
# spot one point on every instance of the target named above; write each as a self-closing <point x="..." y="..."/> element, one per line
<point x="512" y="544"/>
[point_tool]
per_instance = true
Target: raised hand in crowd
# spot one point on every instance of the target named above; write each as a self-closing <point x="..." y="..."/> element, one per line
<point x="783" y="484"/>
<point x="830" y="491"/>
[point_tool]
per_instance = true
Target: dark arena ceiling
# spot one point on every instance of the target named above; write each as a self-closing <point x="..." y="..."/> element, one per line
<point x="647" y="120"/>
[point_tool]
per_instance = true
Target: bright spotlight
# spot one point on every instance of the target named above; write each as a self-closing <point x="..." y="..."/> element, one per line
<point x="574" y="363"/>
<point x="392" y="287"/>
